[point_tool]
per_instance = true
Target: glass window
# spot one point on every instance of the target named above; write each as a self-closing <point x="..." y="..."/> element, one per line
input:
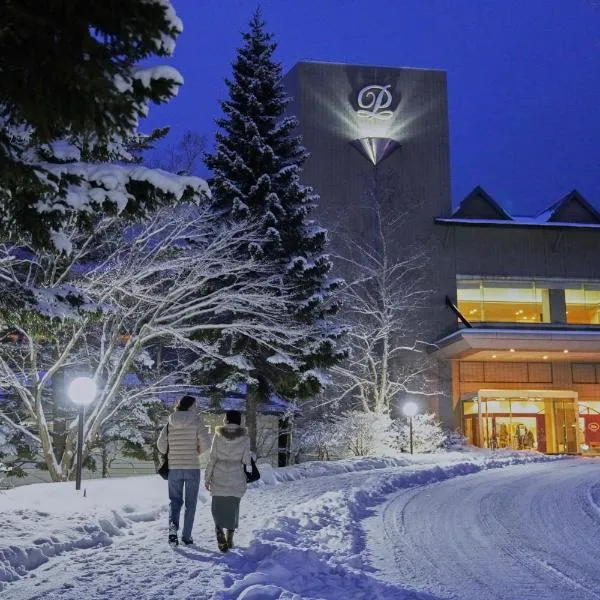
<point x="500" y="301"/>
<point x="470" y="299"/>
<point x="583" y="304"/>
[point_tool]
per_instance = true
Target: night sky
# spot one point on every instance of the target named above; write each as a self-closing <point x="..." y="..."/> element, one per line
<point x="523" y="78"/>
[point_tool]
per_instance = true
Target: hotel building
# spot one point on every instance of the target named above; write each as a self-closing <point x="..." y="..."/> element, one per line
<point x="513" y="313"/>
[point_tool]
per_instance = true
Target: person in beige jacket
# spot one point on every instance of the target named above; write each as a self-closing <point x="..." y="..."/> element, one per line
<point x="225" y="478"/>
<point x="186" y="437"/>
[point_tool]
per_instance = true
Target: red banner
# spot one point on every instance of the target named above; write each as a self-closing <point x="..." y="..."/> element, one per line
<point x="592" y="429"/>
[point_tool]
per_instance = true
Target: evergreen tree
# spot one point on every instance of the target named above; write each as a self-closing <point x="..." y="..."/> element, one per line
<point x="256" y="169"/>
<point x="71" y="89"/>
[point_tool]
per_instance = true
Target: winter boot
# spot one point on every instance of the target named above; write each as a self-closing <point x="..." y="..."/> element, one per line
<point x="173" y="541"/>
<point x="187" y="541"/>
<point x="230" y="533"/>
<point x="221" y="541"/>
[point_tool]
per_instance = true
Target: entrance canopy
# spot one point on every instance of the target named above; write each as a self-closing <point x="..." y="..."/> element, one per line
<point x="482" y="343"/>
<point x="520" y="394"/>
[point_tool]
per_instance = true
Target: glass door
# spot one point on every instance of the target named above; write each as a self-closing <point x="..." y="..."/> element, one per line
<point x="517" y="432"/>
<point x="542" y="420"/>
<point x="565" y="425"/>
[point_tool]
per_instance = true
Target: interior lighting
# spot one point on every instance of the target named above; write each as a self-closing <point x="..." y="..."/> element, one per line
<point x="512" y="349"/>
<point x="494" y="356"/>
<point x="545" y="357"/>
<point x="566" y="351"/>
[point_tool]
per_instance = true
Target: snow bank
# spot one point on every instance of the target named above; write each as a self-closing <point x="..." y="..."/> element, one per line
<point x="462" y="463"/>
<point x="43" y="520"/>
<point x="315" y="548"/>
<point x="318" y="549"/>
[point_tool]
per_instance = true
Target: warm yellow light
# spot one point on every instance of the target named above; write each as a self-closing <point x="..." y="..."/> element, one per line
<point x="512" y="349"/>
<point x="494" y="356"/>
<point x="545" y="357"/>
<point x="566" y="351"/>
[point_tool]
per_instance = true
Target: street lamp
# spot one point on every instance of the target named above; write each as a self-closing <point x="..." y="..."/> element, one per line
<point x="410" y="409"/>
<point x="82" y="391"/>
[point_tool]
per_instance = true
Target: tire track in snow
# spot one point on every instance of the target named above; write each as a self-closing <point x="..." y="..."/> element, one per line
<point x="523" y="533"/>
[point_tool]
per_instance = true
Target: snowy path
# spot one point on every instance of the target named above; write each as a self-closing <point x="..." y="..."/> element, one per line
<point x="528" y="532"/>
<point x="308" y="532"/>
<point x="141" y="565"/>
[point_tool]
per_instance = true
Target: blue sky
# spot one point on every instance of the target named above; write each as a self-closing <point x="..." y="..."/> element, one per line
<point x="523" y="78"/>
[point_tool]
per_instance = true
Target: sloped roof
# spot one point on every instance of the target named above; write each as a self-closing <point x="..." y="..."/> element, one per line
<point x="480" y="205"/>
<point x="479" y="208"/>
<point x="573" y="208"/>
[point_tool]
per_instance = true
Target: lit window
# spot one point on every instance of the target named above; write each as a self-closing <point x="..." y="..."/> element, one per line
<point x="501" y="302"/>
<point x="583" y="304"/>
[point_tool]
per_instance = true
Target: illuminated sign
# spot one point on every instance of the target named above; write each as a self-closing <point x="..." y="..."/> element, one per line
<point x="373" y="100"/>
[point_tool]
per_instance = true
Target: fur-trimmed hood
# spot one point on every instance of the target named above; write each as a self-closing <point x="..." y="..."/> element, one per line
<point x="230" y="432"/>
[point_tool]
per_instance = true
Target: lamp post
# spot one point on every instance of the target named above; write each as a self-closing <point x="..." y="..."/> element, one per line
<point x="410" y="410"/>
<point x="82" y="391"/>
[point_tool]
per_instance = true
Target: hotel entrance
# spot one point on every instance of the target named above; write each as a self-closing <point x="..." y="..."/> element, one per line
<point x="542" y="420"/>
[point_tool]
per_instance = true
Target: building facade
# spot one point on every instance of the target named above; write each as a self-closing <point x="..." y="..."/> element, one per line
<point x="513" y="308"/>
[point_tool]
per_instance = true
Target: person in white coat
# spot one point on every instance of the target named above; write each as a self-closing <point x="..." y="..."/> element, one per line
<point x="225" y="476"/>
<point x="186" y="437"/>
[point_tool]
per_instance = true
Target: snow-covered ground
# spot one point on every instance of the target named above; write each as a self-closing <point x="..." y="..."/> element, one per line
<point x="409" y="528"/>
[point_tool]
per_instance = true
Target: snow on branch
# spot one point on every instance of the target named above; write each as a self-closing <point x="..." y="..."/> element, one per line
<point x="158" y="295"/>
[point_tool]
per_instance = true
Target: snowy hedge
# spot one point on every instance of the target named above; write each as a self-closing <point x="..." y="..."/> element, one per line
<point x="358" y="433"/>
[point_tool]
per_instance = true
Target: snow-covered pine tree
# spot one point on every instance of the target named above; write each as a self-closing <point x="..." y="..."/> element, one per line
<point x="256" y="169"/>
<point x="71" y="88"/>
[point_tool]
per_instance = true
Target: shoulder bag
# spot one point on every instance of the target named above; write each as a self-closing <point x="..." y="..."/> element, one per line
<point x="254" y="474"/>
<point x="163" y="470"/>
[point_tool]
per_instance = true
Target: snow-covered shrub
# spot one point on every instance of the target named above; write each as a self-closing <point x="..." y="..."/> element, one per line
<point x="358" y="433"/>
<point x="7" y="441"/>
<point x="454" y="440"/>
<point x="131" y="433"/>
<point x="15" y="452"/>
<point x="428" y="434"/>
<point x="363" y="433"/>
<point x="315" y="437"/>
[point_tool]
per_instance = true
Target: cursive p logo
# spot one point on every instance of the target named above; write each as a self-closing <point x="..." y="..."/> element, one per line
<point x="373" y="100"/>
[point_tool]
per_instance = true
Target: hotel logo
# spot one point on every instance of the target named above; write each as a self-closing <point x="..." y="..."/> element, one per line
<point x="373" y="100"/>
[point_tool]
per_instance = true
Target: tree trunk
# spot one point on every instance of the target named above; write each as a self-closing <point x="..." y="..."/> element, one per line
<point x="59" y="413"/>
<point x="251" y="410"/>
<point x="283" y="445"/>
<point x="47" y="448"/>
<point x="105" y="464"/>
<point x="382" y="402"/>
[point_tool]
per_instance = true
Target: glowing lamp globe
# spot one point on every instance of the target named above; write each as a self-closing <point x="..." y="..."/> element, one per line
<point x="410" y="409"/>
<point x="82" y="390"/>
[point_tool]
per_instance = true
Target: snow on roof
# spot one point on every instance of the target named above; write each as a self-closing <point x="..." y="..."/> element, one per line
<point x="572" y="211"/>
<point x="234" y="400"/>
<point x="276" y="405"/>
<point x="517" y="222"/>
